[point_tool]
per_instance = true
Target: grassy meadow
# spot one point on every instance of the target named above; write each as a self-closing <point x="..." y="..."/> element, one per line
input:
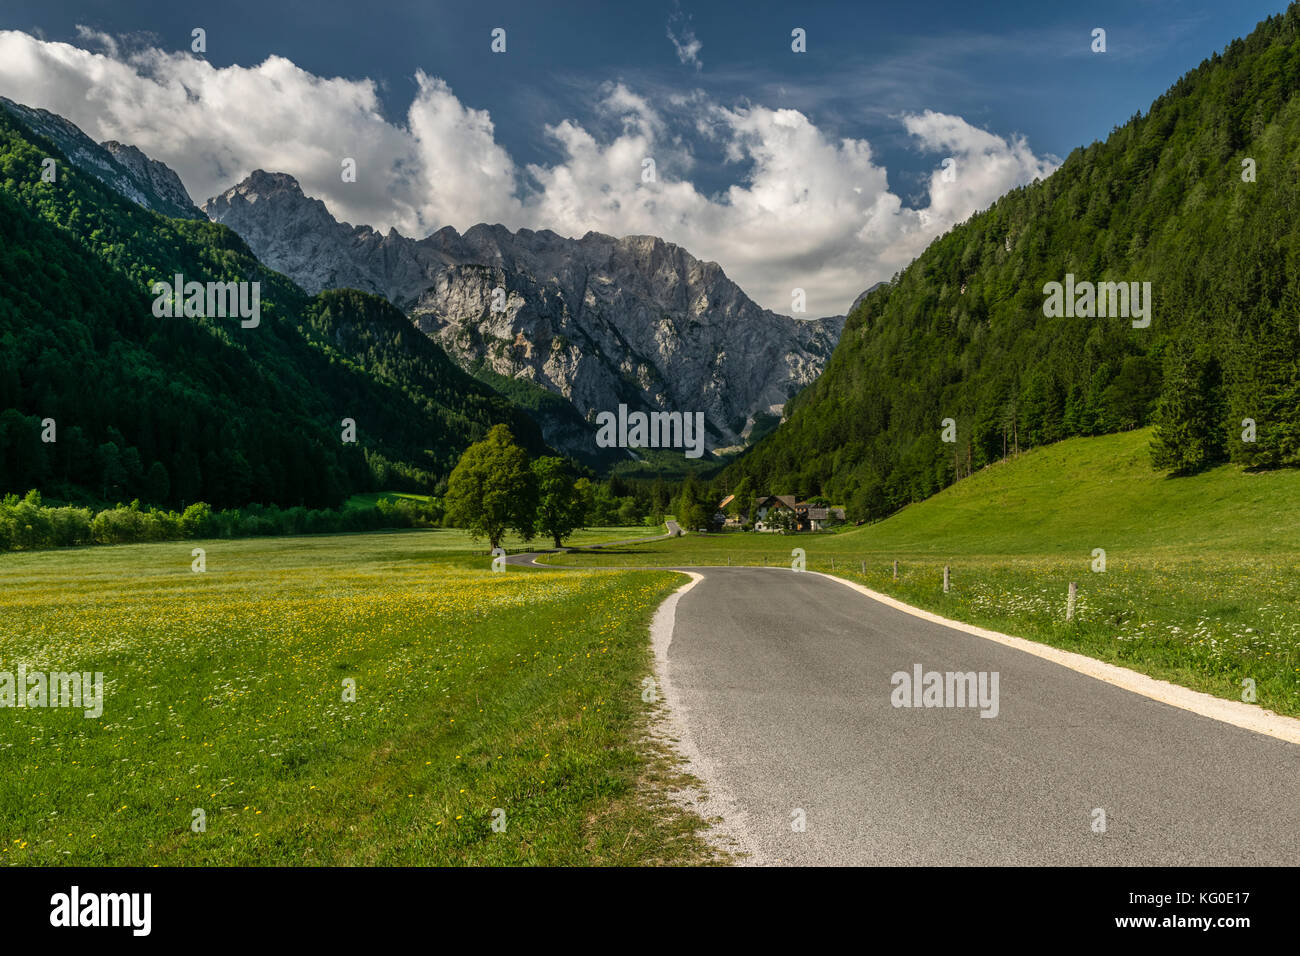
<point x="475" y="692"/>
<point x="479" y="693"/>
<point x="1202" y="579"/>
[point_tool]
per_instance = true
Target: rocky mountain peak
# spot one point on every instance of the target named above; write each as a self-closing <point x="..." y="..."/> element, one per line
<point x="279" y="189"/>
<point x="599" y="320"/>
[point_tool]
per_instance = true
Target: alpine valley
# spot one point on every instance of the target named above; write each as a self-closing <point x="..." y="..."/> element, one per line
<point x="589" y="324"/>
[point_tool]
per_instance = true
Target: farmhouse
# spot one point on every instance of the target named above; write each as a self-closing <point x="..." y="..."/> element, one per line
<point x="772" y="512"/>
<point x="725" y="519"/>
<point x="819" y="519"/>
<point x="782" y="512"/>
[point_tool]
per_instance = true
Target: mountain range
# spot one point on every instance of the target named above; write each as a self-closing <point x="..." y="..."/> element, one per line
<point x="600" y="321"/>
<point x="587" y="324"/>
<point x="103" y="400"/>
<point x="124" y="169"/>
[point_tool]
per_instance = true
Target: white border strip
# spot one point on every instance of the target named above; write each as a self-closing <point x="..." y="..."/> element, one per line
<point x="727" y="823"/>
<point x="1239" y="714"/>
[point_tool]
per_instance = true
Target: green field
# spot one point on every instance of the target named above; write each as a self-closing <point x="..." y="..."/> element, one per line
<point x="475" y="692"/>
<point x="1202" y="579"/>
<point x="368" y="499"/>
<point x="454" y="539"/>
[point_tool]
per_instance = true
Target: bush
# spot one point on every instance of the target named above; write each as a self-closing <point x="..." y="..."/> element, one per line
<point x="197" y="520"/>
<point x="27" y="523"/>
<point x="69" y="527"/>
<point x="118" y="525"/>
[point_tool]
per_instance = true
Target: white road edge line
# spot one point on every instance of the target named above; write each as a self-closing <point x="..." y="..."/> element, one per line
<point x="1239" y="714"/>
<point x="726" y="819"/>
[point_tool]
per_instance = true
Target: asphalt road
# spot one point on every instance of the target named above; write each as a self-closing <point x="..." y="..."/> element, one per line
<point x="782" y="685"/>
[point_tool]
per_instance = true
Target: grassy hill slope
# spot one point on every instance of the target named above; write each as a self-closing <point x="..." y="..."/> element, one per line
<point x="1071" y="497"/>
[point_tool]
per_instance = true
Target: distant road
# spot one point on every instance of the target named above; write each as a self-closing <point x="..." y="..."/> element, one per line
<point x="782" y="683"/>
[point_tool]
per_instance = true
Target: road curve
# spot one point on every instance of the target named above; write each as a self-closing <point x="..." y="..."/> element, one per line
<point x="781" y="686"/>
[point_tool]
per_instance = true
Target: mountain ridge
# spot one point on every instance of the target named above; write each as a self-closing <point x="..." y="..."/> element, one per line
<point x="598" y="320"/>
<point x="125" y="169"/>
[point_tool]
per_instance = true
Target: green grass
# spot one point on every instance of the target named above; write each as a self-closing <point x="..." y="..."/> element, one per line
<point x="1200" y="588"/>
<point x="224" y="691"/>
<point x="369" y="499"/>
<point x="455" y="539"/>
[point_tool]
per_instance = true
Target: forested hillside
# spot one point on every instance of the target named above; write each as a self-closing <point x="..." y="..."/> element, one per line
<point x="173" y="410"/>
<point x="1169" y="198"/>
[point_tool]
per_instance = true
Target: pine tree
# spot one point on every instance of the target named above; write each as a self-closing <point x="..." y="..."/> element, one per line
<point x="1188" y="435"/>
<point x="1266" y="388"/>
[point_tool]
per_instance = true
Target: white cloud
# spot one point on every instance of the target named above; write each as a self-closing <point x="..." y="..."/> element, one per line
<point x="984" y="166"/>
<point x="457" y="160"/>
<point x="804" y="210"/>
<point x="684" y="40"/>
<point x="88" y="36"/>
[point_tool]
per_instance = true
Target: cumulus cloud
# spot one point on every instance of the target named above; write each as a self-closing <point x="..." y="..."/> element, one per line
<point x="982" y="165"/>
<point x="457" y="158"/>
<point x="804" y="210"/>
<point x="88" y="36"/>
<point x="214" y="126"/>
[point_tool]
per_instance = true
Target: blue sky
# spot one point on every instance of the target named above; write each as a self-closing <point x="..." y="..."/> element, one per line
<point x="709" y="102"/>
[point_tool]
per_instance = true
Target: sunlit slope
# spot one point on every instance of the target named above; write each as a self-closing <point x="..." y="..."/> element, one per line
<point x="1084" y="493"/>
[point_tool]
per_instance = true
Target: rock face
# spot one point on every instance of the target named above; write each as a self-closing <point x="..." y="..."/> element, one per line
<point x="163" y="182"/>
<point x="598" y="320"/>
<point x="123" y="169"/>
